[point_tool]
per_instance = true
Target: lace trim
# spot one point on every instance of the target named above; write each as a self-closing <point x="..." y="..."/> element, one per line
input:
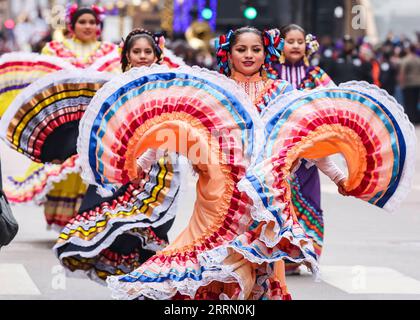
<point x="70" y="166"/>
<point x="392" y="105"/>
<point x="59" y="77"/>
<point x="173" y="58"/>
<point x="135" y="73"/>
<point x="260" y="213"/>
<point x="35" y="58"/>
<point x="409" y="134"/>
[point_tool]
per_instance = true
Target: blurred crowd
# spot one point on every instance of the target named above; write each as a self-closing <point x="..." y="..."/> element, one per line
<point x="393" y="64"/>
<point x="29" y="33"/>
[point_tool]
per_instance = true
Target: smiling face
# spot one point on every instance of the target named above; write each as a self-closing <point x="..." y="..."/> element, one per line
<point x="294" y="46"/>
<point x="247" y="54"/>
<point x="85" y="28"/>
<point x="141" y="53"/>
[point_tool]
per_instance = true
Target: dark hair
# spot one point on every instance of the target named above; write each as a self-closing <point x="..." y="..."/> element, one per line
<point x="243" y="30"/>
<point x="81" y="12"/>
<point x="412" y="48"/>
<point x="290" y="27"/>
<point x="130" y="41"/>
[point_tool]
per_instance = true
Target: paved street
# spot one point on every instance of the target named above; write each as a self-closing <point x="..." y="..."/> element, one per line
<point x="368" y="253"/>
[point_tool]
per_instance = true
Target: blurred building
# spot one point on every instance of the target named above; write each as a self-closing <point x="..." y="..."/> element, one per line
<point x="332" y="18"/>
<point x="399" y="17"/>
<point x="4" y="10"/>
<point x="321" y="17"/>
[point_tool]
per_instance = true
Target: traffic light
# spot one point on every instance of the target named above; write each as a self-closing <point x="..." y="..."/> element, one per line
<point x="249" y="11"/>
<point x="206" y="14"/>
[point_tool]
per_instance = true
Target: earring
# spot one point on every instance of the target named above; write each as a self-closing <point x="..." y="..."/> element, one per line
<point x="282" y="58"/>
<point x="231" y="70"/>
<point x="264" y="75"/>
<point x="306" y="60"/>
<point x="128" y="66"/>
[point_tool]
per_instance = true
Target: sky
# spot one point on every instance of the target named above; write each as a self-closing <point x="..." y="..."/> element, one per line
<point x="399" y="16"/>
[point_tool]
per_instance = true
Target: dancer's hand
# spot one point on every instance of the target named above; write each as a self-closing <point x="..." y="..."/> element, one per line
<point x="294" y="164"/>
<point x="341" y="189"/>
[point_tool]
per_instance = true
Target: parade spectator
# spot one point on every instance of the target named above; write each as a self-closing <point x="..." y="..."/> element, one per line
<point x="368" y="57"/>
<point x="326" y="55"/>
<point x="349" y="66"/>
<point x="409" y="78"/>
<point x="388" y="70"/>
<point x="3" y="43"/>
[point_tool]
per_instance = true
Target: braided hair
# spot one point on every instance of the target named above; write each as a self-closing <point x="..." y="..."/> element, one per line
<point x="153" y="39"/>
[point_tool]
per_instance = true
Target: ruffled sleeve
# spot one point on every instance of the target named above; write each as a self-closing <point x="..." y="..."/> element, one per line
<point x="316" y="77"/>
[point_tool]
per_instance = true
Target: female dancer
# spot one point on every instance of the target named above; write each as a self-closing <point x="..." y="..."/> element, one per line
<point x="59" y="187"/>
<point x="203" y="254"/>
<point x="247" y="65"/>
<point x="82" y="49"/>
<point x="114" y="235"/>
<point x="247" y="58"/>
<point x="294" y="66"/>
<point x="242" y="223"/>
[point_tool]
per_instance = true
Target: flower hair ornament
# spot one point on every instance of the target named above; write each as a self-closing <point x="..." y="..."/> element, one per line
<point x="312" y="47"/>
<point x="273" y="44"/>
<point x="159" y="40"/>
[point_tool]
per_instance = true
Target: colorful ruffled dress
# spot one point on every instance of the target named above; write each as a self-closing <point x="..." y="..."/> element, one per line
<point x="306" y="188"/>
<point x="110" y="235"/>
<point x="59" y="187"/>
<point x="170" y="105"/>
<point x="20" y="69"/>
<point x="243" y="224"/>
<point x="114" y="235"/>
<point x="124" y="230"/>
<point x="80" y="54"/>
<point x="303" y="77"/>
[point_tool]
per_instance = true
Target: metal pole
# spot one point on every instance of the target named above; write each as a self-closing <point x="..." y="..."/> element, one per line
<point x="347" y="17"/>
<point x="121" y="22"/>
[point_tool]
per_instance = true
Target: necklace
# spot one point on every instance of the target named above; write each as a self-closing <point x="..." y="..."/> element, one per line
<point x="252" y="85"/>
